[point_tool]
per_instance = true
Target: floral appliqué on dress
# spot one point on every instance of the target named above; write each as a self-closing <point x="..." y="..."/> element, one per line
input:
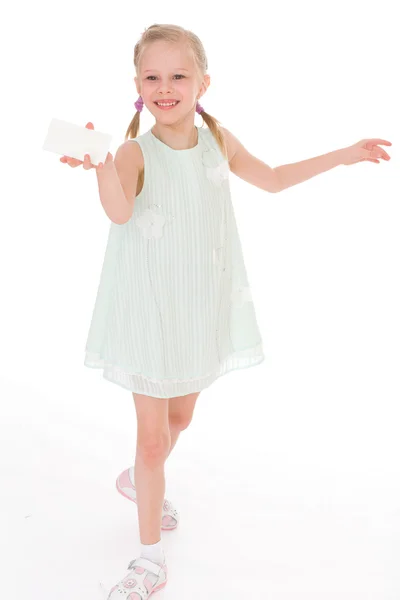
<point x="152" y="222"/>
<point x="217" y="171"/>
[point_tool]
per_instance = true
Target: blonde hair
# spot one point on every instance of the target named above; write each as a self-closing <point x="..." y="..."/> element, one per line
<point x="175" y="34"/>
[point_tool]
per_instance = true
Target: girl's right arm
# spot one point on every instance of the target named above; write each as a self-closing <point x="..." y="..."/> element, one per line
<point x="117" y="179"/>
<point x="117" y="182"/>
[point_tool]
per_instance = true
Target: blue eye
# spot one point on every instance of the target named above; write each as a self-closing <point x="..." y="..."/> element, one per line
<point x="177" y="75"/>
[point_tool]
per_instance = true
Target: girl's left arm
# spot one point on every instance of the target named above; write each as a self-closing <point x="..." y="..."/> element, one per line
<point x="301" y="171"/>
<point x="258" y="173"/>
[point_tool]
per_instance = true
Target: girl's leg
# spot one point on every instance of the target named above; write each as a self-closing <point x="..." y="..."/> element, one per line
<point x="153" y="444"/>
<point x="180" y="414"/>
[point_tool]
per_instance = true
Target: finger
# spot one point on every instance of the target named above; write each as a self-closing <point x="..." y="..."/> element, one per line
<point x="378" y="152"/>
<point x="86" y="162"/>
<point x="73" y="162"/>
<point x="66" y="159"/>
<point x="384" y="154"/>
<point x="375" y="142"/>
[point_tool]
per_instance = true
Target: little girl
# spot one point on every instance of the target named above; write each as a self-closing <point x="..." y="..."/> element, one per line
<point x="174" y="310"/>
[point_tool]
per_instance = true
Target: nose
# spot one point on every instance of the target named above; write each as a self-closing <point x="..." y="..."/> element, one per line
<point x="164" y="88"/>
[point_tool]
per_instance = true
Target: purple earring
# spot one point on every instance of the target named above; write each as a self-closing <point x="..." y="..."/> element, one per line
<point x="139" y="104"/>
<point x="199" y="108"/>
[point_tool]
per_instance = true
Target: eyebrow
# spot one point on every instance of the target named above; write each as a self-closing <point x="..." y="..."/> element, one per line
<point x="176" y="69"/>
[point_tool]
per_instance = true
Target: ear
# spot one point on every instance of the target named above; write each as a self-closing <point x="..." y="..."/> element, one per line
<point x="137" y="85"/>
<point x="205" y="84"/>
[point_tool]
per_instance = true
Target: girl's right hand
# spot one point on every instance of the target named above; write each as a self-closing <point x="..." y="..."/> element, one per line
<point x="74" y="162"/>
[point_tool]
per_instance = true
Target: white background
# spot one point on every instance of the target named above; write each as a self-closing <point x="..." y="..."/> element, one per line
<point x="287" y="480"/>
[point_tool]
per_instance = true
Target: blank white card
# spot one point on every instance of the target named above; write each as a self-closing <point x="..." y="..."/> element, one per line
<point x="75" y="141"/>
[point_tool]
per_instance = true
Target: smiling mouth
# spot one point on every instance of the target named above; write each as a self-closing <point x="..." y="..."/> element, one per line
<point x="167" y="104"/>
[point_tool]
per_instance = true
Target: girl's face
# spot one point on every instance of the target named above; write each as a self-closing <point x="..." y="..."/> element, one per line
<point x="167" y="72"/>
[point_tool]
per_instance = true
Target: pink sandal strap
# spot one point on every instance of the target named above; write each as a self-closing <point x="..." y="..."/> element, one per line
<point x="145" y="578"/>
<point x="145" y="564"/>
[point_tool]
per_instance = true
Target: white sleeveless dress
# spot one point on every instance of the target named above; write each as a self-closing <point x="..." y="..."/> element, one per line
<point x="173" y="310"/>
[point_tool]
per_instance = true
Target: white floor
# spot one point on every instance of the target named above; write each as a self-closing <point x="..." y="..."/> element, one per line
<point x="292" y="498"/>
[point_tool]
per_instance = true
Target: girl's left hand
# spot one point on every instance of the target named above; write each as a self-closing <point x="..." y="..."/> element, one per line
<point x="365" y="150"/>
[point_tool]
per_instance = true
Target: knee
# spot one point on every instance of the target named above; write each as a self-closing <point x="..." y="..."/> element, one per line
<point x="180" y="411"/>
<point x="179" y="422"/>
<point x="153" y="449"/>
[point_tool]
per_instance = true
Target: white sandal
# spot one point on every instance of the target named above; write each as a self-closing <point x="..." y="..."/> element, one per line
<point x="125" y="486"/>
<point x="145" y="578"/>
